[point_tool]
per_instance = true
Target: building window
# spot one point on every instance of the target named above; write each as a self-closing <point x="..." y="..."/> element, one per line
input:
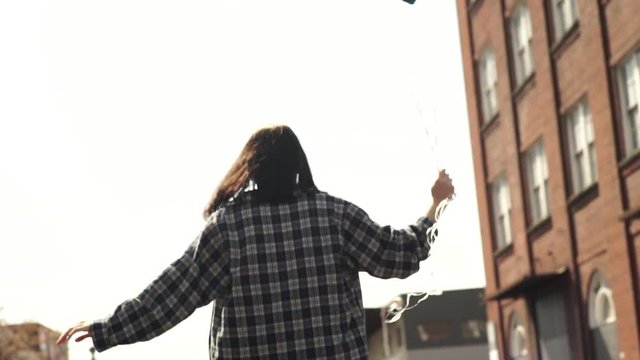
<point x="518" y="344"/>
<point x="602" y="319"/>
<point x="630" y="88"/>
<point x="488" y="85"/>
<point x="521" y="43"/>
<point x="565" y="14"/>
<point x="434" y="332"/>
<point x="501" y="211"/>
<point x="538" y="183"/>
<point x="581" y="147"/>
<point x="474" y="329"/>
<point x="553" y="339"/>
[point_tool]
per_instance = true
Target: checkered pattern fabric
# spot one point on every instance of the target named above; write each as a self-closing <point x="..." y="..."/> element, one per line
<point x="283" y="279"/>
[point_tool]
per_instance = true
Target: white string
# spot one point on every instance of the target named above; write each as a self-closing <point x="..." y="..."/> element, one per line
<point x="395" y="313"/>
<point x="432" y="136"/>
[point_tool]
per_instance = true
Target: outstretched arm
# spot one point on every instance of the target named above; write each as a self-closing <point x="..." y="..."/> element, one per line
<point x="194" y="280"/>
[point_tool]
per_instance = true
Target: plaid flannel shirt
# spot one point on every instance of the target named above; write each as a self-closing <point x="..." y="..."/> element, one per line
<point x="283" y="279"/>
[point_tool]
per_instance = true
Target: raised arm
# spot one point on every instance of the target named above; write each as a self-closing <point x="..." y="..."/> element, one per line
<point x="386" y="252"/>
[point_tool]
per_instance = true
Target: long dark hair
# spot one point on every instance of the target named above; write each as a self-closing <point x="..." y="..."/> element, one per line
<point x="273" y="161"/>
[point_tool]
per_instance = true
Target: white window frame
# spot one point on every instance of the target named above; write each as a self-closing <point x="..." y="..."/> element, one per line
<point x="518" y="343"/>
<point x="522" y="42"/>
<point x="582" y="151"/>
<point x="488" y="84"/>
<point x="501" y="199"/>
<point x="538" y="182"/>
<point x="600" y="299"/>
<point x="629" y="84"/>
<point x="565" y="15"/>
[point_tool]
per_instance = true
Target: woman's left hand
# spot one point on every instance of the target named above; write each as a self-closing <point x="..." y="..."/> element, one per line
<point x="443" y="187"/>
<point x="82" y="327"/>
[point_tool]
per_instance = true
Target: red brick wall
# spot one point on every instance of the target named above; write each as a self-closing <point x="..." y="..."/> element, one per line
<point x="476" y="146"/>
<point x="564" y="73"/>
<point x="624" y="36"/>
<point x="588" y="231"/>
<point x="623" y="26"/>
<point x="551" y="251"/>
<point x="537" y="118"/>
<point x="633" y="189"/>
<point x="494" y="142"/>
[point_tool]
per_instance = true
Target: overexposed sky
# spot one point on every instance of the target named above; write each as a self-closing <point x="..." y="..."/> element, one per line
<point x="118" y="119"/>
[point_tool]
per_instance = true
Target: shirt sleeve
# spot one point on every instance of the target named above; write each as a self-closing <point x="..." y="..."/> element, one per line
<point x="199" y="276"/>
<point x="382" y="251"/>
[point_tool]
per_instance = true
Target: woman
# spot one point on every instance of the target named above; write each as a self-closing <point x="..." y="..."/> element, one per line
<point x="280" y="261"/>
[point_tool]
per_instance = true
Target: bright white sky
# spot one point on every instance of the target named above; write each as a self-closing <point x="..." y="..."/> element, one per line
<point x="118" y="118"/>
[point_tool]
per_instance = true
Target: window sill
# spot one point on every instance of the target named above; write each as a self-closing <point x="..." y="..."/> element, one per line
<point x="582" y="198"/>
<point x="538" y="229"/>
<point x="524" y="87"/>
<point x="492" y="123"/>
<point x="503" y="251"/>
<point x="631" y="163"/>
<point x="568" y="38"/>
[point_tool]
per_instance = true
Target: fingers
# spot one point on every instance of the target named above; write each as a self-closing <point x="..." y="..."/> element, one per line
<point x="444" y="177"/>
<point x="64" y="337"/>
<point x="82" y="326"/>
<point x="80" y="338"/>
<point x="443" y="187"/>
<point x="443" y="174"/>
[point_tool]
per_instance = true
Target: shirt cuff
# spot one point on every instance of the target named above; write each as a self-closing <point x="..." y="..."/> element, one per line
<point x="425" y="223"/>
<point x="101" y="335"/>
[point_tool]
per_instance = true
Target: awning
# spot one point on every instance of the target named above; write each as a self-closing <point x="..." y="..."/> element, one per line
<point x="528" y="283"/>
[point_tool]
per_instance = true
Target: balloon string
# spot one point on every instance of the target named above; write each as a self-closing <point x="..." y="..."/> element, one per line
<point x="395" y="313"/>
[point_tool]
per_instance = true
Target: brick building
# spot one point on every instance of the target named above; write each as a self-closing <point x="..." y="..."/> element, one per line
<point x="553" y="90"/>
<point x="30" y="341"/>
<point x="448" y="326"/>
